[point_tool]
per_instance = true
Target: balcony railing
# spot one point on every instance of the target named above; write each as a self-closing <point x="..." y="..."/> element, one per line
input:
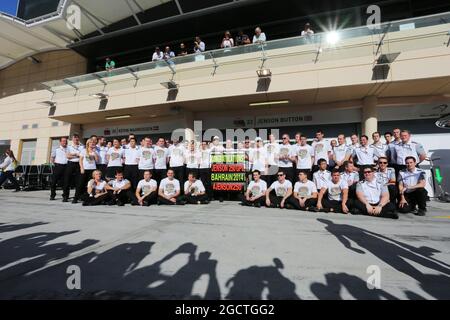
<point x="317" y="46"/>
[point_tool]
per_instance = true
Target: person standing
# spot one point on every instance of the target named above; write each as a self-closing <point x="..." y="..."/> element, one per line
<point x="72" y="172"/>
<point x="391" y="148"/>
<point x="340" y="153"/>
<point x="305" y="193"/>
<point x="146" y="191"/>
<point x="411" y="185"/>
<point x="379" y="148"/>
<point x="373" y="198"/>
<point x="199" y="45"/>
<point x="161" y="158"/>
<point x="110" y="65"/>
<point x="177" y="159"/>
<point x="193" y="158"/>
<point x="354" y="143"/>
<point x="205" y="168"/>
<point x="59" y="161"/>
<point x="364" y="155"/>
<point x="114" y="157"/>
<point x="258" y="158"/>
<point x="146" y="156"/>
<point x="322" y="150"/>
<point x="307" y="31"/>
<point x="131" y="168"/>
<point x="259" y="37"/>
<point x="183" y="51"/>
<point x="102" y="150"/>
<point x="286" y="158"/>
<point x="242" y="39"/>
<point x="168" y="54"/>
<point x="304" y="156"/>
<point x="158" y="55"/>
<point x="227" y="41"/>
<point x="9" y="167"/>
<point x="273" y="154"/>
<point x="407" y="148"/>
<point x="88" y="164"/>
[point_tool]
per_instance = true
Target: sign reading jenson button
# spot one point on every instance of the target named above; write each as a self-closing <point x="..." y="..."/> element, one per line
<point x="228" y="171"/>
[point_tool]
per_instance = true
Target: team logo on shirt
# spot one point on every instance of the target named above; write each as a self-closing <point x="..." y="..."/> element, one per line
<point x="319" y="147"/>
<point x="281" y="192"/>
<point x="147" y="155"/>
<point x="205" y="156"/>
<point x="258" y="155"/>
<point x="335" y="191"/>
<point x="302" y="153"/>
<point x="303" y="191"/>
<point x="256" y="190"/>
<point x="114" y="156"/>
<point x="160" y="153"/>
<point x="176" y="152"/>
<point x="193" y="189"/>
<point x="146" y="189"/>
<point x="90" y="158"/>
<point x="284" y="151"/>
<point x="270" y="148"/>
<point x="192" y="159"/>
<point x="170" y="188"/>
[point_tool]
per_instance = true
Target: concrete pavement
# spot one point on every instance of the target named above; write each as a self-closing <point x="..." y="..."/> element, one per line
<point x="217" y="251"/>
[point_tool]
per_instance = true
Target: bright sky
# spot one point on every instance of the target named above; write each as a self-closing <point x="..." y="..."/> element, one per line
<point x="9" y="6"/>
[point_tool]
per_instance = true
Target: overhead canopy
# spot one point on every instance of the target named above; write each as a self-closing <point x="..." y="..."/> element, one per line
<point x="98" y="19"/>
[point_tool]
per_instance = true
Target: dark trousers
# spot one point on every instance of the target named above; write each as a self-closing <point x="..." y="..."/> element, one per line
<point x="147" y="201"/>
<point x="293" y="201"/>
<point x="160" y="174"/>
<point x="102" y="168"/>
<point x="272" y="171"/>
<point x="161" y="200"/>
<point x="72" y="173"/>
<point x="415" y="198"/>
<point x="92" y="201"/>
<point x="352" y="191"/>
<point x="392" y="193"/>
<point x="179" y="175"/>
<point x="111" y="172"/>
<point x="57" y="176"/>
<point x="260" y="202"/>
<point x="205" y="177"/>
<point x="195" y="199"/>
<point x="275" y="201"/>
<point x="9" y="175"/>
<point x="289" y="172"/>
<point x="334" y="205"/>
<point x="123" y="197"/>
<point x="389" y="208"/>
<point x="83" y="182"/>
<point x="131" y="173"/>
<point x="398" y="168"/>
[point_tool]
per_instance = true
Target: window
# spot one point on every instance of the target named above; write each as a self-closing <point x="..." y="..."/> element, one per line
<point x="28" y="154"/>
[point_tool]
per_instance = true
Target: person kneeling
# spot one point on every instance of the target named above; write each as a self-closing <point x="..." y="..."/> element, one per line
<point x="336" y="199"/>
<point x="305" y="193"/>
<point x="256" y="190"/>
<point x="279" y="192"/>
<point x="97" y="193"/>
<point x="146" y="191"/>
<point x="411" y="184"/>
<point x="119" y="190"/>
<point x="373" y="198"/>
<point x="169" y="190"/>
<point x="194" y="190"/>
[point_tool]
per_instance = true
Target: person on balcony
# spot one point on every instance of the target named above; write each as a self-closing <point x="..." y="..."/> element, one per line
<point x="157" y="55"/>
<point x="259" y="37"/>
<point x="242" y="39"/>
<point x="227" y="41"/>
<point x="109" y="65"/>
<point x="199" y="45"/>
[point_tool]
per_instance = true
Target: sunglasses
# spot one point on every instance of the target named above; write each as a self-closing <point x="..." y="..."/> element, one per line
<point x="280" y="175"/>
<point x="382" y="162"/>
<point x="284" y="138"/>
<point x="367" y="172"/>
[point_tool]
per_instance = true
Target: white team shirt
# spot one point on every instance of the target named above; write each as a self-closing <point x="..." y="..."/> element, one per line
<point x="176" y="154"/>
<point x="169" y="187"/>
<point x="205" y="157"/>
<point x="379" y="150"/>
<point x="335" y="189"/>
<point x="8" y="164"/>
<point x="99" y="187"/>
<point x="385" y="177"/>
<point x="146" y="186"/>
<point x="321" y="178"/>
<point x="372" y="190"/>
<point x="272" y="151"/>
<point x="305" y="189"/>
<point x="304" y="156"/>
<point x="350" y="177"/>
<point x="321" y="149"/>
<point x="131" y="156"/>
<point x="118" y="184"/>
<point x="146" y="156"/>
<point x="286" y="150"/>
<point x="60" y="155"/>
<point x="258" y="158"/>
<point x="340" y="152"/>
<point x="281" y="188"/>
<point x="364" y="155"/>
<point x="88" y="160"/>
<point x="196" y="187"/>
<point x="102" y="151"/>
<point x="75" y="150"/>
<point x="115" y="157"/>
<point x="257" y="188"/>
<point x="161" y="155"/>
<point x="409" y="149"/>
<point x="193" y="159"/>
<point x="410" y="179"/>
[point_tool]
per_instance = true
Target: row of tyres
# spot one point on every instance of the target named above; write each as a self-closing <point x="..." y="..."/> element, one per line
<point x="33" y="177"/>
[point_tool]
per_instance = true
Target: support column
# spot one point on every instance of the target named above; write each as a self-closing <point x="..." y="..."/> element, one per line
<point x="369" y="119"/>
